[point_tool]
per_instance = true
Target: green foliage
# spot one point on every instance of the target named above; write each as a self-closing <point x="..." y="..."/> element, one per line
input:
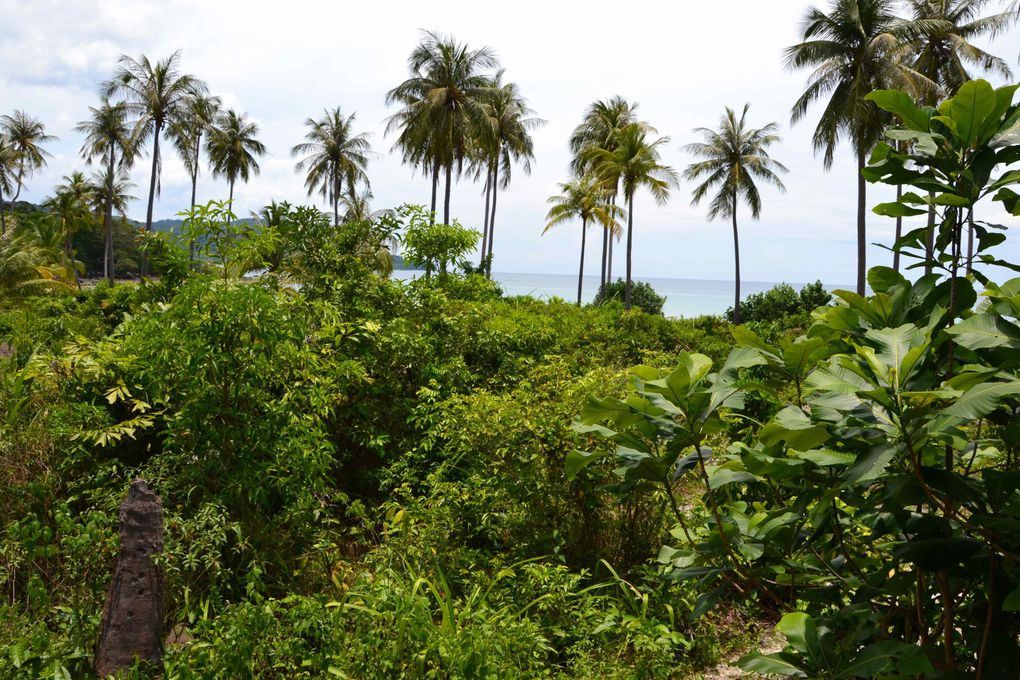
<point x="782" y="302"/>
<point x="643" y="296"/>
<point x="432" y="246"/>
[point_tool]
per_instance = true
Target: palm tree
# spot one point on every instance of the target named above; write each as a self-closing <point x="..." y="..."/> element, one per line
<point x="232" y="148"/>
<point x="586" y="199"/>
<point x="734" y="156"/>
<point x="25" y="137"/>
<point x="195" y="117"/>
<point x="336" y="159"/>
<point x="853" y="50"/>
<point x="8" y="171"/>
<point x="505" y="138"/>
<point x="941" y="51"/>
<point x="109" y="136"/>
<point x="158" y="93"/>
<point x="116" y="191"/>
<point x="71" y="208"/>
<point x="441" y="108"/>
<point x="602" y="121"/>
<point x="634" y="161"/>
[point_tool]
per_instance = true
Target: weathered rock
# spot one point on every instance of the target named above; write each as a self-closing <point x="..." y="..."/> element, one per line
<point x="132" y="625"/>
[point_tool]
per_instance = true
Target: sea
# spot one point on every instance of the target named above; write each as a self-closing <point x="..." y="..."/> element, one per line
<point x="684" y="297"/>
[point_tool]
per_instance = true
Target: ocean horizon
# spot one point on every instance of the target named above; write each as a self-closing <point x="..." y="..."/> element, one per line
<point x="684" y="297"/>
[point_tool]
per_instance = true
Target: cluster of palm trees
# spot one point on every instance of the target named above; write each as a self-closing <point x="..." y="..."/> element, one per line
<point x="855" y="47"/>
<point x="458" y="117"/>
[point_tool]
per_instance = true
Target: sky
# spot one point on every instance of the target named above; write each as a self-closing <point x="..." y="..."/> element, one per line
<point x="283" y="62"/>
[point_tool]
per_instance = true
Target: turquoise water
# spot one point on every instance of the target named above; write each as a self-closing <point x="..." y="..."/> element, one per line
<point x="684" y="297"/>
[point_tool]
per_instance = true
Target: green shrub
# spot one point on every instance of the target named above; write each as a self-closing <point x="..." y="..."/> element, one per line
<point x="780" y="302"/>
<point x="642" y="295"/>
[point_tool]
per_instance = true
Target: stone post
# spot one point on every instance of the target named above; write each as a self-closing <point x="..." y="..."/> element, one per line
<point x="132" y="624"/>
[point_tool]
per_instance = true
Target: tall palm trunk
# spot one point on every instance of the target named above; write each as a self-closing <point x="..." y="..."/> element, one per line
<point x="152" y="192"/>
<point x="580" y="270"/>
<point x="485" y="218"/>
<point x="630" y="248"/>
<point x="609" y="254"/>
<point x="899" y="232"/>
<point x="3" y="216"/>
<point x="736" y="264"/>
<point x="492" y="217"/>
<point x="862" y="236"/>
<point x="69" y="254"/>
<point x="435" y="187"/>
<point x="446" y="198"/>
<point x="605" y="246"/>
<point x="231" y="201"/>
<point x="108" y="223"/>
<point x="336" y="202"/>
<point x="194" y="189"/>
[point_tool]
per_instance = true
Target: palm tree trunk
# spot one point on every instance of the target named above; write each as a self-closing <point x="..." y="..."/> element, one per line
<point x="336" y="204"/>
<point x="899" y="232"/>
<point x="492" y="217"/>
<point x="446" y="198"/>
<point x="231" y="200"/>
<point x="69" y="254"/>
<point x="929" y="238"/>
<point x="108" y="224"/>
<point x="605" y="246"/>
<point x="736" y="265"/>
<point x="152" y="193"/>
<point x="862" y="236"/>
<point x="3" y="216"/>
<point x="630" y="248"/>
<point x="435" y="187"/>
<point x="580" y="271"/>
<point x="485" y="219"/>
<point x="609" y="254"/>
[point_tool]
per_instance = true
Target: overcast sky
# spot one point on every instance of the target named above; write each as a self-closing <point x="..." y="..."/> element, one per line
<point x="282" y="62"/>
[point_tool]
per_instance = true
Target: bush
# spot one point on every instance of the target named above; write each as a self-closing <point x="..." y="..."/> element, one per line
<point x="780" y="302"/>
<point x="642" y="295"/>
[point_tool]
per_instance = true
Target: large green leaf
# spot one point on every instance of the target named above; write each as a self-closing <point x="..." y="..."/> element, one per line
<point x="969" y="109"/>
<point x="901" y="105"/>
<point x="578" y="460"/>
<point x="771" y="664"/>
<point x="982" y="399"/>
<point x="802" y="355"/>
<point x="793" y="426"/>
<point x="802" y="635"/>
<point x="1012" y="601"/>
<point x="896" y="209"/>
<point x="887" y="656"/>
<point x="986" y="331"/>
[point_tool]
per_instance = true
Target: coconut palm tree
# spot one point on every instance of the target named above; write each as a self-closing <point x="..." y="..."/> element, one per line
<point x="441" y="107"/>
<point x="734" y="156"/>
<point x="602" y="122"/>
<point x="635" y="162"/>
<point x="25" y="137"/>
<point x="194" y="119"/>
<point x="116" y="192"/>
<point x="587" y="199"/>
<point x="504" y="139"/>
<point x="158" y="94"/>
<point x="853" y="49"/>
<point x="8" y="171"/>
<point x="71" y="207"/>
<point x="941" y="52"/>
<point x="110" y="137"/>
<point x="336" y="158"/>
<point x="233" y="148"/>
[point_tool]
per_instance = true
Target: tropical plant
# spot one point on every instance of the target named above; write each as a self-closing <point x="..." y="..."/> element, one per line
<point x="634" y="162"/>
<point x="336" y="158"/>
<point x="442" y="109"/>
<point x="587" y="199"/>
<point x="110" y="137"/>
<point x="434" y="247"/>
<point x="196" y="117"/>
<point x="781" y="302"/>
<point x="157" y="93"/>
<point x="8" y="171"/>
<point x="232" y="147"/>
<point x="942" y="51"/>
<point x="504" y="139"/>
<point x="71" y="208"/>
<point x="602" y="121"/>
<point x="24" y="155"/>
<point x="643" y="296"/>
<point x="734" y="156"/>
<point x="853" y="49"/>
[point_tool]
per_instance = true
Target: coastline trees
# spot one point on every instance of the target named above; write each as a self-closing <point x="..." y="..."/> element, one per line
<point x="585" y="198"/>
<point x="233" y="148"/>
<point x="25" y="136"/>
<point x="853" y="49"/>
<point x="195" y="118"/>
<point x="634" y="162"/>
<point x="158" y="94"/>
<point x="110" y="137"/>
<point x="335" y="158"/>
<point x="442" y="108"/>
<point x="734" y="156"/>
